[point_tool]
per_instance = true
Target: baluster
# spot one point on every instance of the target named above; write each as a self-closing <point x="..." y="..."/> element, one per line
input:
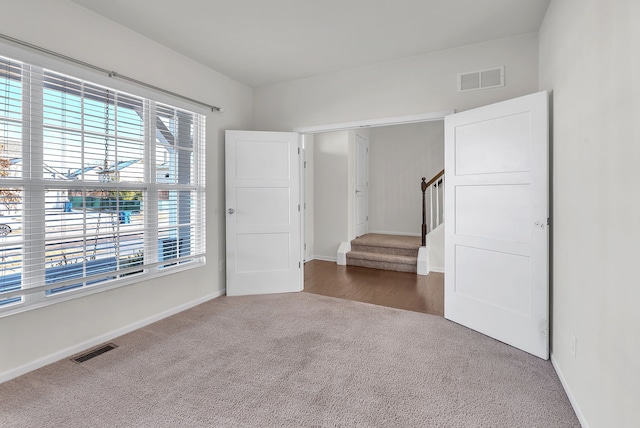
<point x="438" y="204"/>
<point x="431" y="208"/>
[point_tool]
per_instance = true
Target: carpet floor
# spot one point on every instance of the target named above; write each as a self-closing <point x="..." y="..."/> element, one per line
<point x="294" y="360"/>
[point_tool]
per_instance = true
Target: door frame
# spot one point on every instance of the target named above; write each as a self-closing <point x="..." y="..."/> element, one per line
<point x="358" y="166"/>
<point x="355" y="125"/>
<point x="372" y="123"/>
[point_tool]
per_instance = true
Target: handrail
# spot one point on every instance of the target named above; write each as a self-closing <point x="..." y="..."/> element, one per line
<point x="435" y="177"/>
<point x="436" y="182"/>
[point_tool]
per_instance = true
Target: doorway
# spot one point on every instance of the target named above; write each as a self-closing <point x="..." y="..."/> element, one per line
<point x="398" y="156"/>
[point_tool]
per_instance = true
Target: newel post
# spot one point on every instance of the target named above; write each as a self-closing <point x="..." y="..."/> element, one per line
<point x="423" y="186"/>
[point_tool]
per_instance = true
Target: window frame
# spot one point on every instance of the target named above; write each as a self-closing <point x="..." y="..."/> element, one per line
<point x="34" y="186"/>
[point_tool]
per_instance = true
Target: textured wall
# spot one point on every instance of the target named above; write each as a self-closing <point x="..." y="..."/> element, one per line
<point x="399" y="156"/>
<point x="420" y="84"/>
<point x="589" y="61"/>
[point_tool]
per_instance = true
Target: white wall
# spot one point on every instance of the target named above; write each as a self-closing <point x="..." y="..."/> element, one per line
<point x="331" y="174"/>
<point x="435" y="242"/>
<point x="65" y="27"/>
<point x="399" y="156"/>
<point x="589" y="59"/>
<point x="420" y="84"/>
<point x="333" y="191"/>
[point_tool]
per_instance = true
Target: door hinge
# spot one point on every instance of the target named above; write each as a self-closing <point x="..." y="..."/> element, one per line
<point x="298" y="207"/>
<point x="305" y="245"/>
<point x="545" y="328"/>
<point x="299" y="265"/>
<point x="305" y="164"/>
<point x="298" y="150"/>
<point x="548" y="221"/>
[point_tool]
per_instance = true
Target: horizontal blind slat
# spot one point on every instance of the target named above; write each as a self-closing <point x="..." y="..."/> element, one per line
<point x="78" y="152"/>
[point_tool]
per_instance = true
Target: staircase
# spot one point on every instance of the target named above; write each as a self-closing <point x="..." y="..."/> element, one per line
<point x="389" y="252"/>
<point x="417" y="254"/>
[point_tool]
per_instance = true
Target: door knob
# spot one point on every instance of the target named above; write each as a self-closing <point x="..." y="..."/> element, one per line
<point x="230" y="210"/>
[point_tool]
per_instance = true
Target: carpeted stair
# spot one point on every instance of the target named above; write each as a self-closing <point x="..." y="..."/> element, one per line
<point x="388" y="252"/>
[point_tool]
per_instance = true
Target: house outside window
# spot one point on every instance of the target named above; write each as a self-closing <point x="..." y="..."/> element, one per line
<point x="98" y="188"/>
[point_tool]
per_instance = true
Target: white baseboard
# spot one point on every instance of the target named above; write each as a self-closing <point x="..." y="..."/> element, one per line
<point x="436" y="269"/>
<point x="572" y="399"/>
<point x="325" y="258"/>
<point x="389" y="232"/>
<point x="68" y="352"/>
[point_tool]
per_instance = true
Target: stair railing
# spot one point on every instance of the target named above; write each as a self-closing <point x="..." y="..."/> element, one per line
<point x="435" y="201"/>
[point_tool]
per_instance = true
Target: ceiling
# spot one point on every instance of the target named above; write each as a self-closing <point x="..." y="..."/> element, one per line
<point x="261" y="42"/>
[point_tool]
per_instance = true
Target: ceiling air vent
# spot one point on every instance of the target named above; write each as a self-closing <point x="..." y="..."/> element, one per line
<point x="481" y="79"/>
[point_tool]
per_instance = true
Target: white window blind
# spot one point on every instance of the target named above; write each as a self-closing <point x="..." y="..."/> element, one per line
<point x="98" y="188"/>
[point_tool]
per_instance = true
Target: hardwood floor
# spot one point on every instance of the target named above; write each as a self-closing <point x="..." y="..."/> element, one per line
<point x="399" y="290"/>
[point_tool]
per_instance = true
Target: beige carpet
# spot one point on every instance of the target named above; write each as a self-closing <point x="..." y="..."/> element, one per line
<point x="296" y="360"/>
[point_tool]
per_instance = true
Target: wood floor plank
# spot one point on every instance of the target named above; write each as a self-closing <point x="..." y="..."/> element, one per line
<point x="399" y="290"/>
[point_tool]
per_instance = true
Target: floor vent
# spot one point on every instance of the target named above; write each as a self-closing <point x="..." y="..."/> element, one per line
<point x="481" y="79"/>
<point x="94" y="353"/>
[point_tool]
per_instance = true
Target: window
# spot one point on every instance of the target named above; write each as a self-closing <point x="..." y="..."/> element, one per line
<point x="98" y="188"/>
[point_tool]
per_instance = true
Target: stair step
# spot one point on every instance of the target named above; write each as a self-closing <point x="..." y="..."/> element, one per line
<point x="382" y="261"/>
<point x="410" y="252"/>
<point x="387" y="244"/>
<point x="380" y="257"/>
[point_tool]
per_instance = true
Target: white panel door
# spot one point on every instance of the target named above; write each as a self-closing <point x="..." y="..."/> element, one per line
<point x="263" y="226"/>
<point x="496" y="211"/>
<point x="362" y="186"/>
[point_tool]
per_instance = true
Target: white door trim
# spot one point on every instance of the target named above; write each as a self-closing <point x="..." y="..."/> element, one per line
<point x="371" y="123"/>
<point x="361" y="188"/>
<point x="367" y="123"/>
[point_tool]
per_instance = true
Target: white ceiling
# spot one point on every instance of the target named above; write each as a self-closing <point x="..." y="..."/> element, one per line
<point x="260" y="42"/>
